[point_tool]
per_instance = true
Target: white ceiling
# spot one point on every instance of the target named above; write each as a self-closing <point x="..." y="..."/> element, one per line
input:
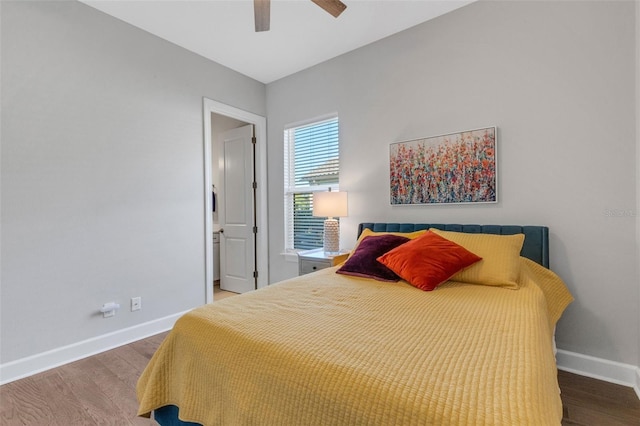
<point x="301" y="35"/>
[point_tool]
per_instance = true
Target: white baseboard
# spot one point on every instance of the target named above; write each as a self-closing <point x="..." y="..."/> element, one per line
<point x="601" y="369"/>
<point x="38" y="363"/>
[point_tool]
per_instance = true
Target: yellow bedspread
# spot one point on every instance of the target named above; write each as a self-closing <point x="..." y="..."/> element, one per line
<point x="328" y="349"/>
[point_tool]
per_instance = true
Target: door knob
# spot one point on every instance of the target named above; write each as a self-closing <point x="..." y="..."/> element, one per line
<point x="221" y="231"/>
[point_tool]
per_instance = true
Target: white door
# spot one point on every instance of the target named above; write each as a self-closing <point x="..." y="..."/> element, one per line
<point x="237" y="215"/>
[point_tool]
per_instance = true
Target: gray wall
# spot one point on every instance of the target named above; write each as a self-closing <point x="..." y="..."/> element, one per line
<point x="558" y="79"/>
<point x="102" y="173"/>
<point x="102" y="158"/>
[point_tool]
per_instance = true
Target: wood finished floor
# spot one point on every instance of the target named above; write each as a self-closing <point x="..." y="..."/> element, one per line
<point x="589" y="402"/>
<point x="100" y="390"/>
<point x="219" y="294"/>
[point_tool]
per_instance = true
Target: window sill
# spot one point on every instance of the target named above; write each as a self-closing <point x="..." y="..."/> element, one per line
<point x="290" y="256"/>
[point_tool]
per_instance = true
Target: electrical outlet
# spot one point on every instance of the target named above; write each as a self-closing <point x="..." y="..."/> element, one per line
<point x="109" y="309"/>
<point x="136" y="303"/>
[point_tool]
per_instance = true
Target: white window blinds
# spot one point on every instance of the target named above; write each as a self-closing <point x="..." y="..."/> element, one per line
<point x="312" y="163"/>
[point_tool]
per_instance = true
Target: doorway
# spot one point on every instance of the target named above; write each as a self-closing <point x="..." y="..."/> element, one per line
<point x="218" y="118"/>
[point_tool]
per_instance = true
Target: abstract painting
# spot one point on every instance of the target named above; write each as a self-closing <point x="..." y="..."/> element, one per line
<point x="453" y="168"/>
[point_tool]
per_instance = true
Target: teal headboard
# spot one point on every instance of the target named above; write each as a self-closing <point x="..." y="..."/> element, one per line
<point x="536" y="238"/>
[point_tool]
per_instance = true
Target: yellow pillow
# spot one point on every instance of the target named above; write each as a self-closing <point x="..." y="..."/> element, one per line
<point x="366" y="232"/>
<point x="500" y="264"/>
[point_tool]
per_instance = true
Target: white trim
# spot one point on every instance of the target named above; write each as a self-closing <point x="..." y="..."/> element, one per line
<point x="210" y="106"/>
<point x="38" y="363"/>
<point x="290" y="256"/>
<point x="290" y="187"/>
<point x="601" y="369"/>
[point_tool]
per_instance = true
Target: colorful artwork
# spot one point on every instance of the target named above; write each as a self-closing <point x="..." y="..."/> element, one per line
<point x="454" y="168"/>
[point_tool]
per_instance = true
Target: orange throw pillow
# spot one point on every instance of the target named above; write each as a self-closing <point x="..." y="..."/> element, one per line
<point x="428" y="261"/>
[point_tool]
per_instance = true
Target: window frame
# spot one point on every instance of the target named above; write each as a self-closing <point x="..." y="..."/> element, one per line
<point x="290" y="188"/>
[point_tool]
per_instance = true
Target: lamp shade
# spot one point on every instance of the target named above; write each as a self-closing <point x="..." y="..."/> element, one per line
<point x="330" y="204"/>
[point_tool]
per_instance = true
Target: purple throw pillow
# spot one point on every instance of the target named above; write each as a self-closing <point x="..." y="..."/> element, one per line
<point x="363" y="263"/>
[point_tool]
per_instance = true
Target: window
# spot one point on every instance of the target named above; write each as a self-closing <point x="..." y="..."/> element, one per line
<point x="311" y="163"/>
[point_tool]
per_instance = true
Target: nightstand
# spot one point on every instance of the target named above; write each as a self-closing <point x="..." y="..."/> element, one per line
<point x="316" y="259"/>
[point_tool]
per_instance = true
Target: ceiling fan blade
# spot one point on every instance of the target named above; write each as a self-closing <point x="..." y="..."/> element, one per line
<point x="334" y="7"/>
<point x="262" y="13"/>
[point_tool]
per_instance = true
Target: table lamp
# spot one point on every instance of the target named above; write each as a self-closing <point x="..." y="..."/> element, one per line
<point x="330" y="204"/>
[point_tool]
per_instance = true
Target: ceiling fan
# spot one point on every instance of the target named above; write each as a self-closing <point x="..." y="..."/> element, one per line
<point x="262" y="11"/>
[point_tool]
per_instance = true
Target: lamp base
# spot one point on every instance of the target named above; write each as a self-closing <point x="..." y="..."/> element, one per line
<point x="331" y="236"/>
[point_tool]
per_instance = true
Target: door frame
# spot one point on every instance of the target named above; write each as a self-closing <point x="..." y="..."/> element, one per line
<point x="210" y="106"/>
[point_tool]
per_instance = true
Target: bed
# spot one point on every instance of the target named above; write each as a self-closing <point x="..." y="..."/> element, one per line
<point x="332" y="348"/>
